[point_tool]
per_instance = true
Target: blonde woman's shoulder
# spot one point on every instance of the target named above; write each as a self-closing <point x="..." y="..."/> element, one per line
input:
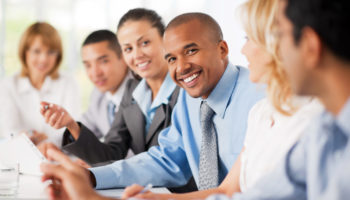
<point x="260" y="107"/>
<point x="309" y="108"/>
<point x="10" y="82"/>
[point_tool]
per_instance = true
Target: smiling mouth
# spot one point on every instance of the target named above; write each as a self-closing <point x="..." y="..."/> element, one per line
<point x="41" y="67"/>
<point x="100" y="82"/>
<point x="190" y="81"/>
<point x="143" y="65"/>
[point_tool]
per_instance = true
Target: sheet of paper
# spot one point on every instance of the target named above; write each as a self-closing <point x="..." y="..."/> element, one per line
<point x="20" y="149"/>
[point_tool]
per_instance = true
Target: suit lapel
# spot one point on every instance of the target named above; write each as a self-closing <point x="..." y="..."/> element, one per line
<point x="162" y="117"/>
<point x="158" y="120"/>
<point x="135" y="122"/>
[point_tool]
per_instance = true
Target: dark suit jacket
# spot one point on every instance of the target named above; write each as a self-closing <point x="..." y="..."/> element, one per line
<point x="127" y="131"/>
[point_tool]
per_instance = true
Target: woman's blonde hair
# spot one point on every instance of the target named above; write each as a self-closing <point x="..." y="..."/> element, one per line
<point x="49" y="36"/>
<point x="259" y="24"/>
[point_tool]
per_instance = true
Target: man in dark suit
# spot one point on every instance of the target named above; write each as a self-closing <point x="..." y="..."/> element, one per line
<point x="107" y="70"/>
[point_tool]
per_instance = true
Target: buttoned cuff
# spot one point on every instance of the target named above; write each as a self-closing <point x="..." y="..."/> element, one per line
<point x="105" y="177"/>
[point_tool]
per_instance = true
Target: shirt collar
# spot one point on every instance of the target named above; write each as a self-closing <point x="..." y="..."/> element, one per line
<point x="143" y="94"/>
<point x="343" y="118"/>
<point x="24" y="84"/>
<point x="221" y="94"/>
<point x="116" y="98"/>
<point x="165" y="91"/>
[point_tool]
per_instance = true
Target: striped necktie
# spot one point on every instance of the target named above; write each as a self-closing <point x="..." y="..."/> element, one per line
<point x="111" y="111"/>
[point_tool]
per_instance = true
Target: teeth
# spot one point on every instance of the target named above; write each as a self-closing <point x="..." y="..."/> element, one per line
<point x="189" y="79"/>
<point x="142" y="64"/>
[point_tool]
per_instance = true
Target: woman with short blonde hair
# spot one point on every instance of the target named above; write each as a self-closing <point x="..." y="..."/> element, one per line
<point x="49" y="37"/>
<point x="40" y="52"/>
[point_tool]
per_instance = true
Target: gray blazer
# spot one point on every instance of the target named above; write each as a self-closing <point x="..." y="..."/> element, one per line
<point x="127" y="131"/>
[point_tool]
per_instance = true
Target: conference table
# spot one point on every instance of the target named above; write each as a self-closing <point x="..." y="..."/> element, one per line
<point x="31" y="188"/>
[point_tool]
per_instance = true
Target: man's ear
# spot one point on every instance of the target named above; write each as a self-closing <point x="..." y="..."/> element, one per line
<point x="311" y="48"/>
<point x="223" y="48"/>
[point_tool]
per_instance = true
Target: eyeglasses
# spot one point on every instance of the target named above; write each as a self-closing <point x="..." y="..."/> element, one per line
<point x="38" y="52"/>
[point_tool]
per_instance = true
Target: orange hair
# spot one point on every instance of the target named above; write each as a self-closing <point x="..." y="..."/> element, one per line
<point x="49" y="36"/>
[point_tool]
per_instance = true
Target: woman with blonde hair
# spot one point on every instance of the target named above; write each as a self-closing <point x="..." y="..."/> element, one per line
<point x="274" y="123"/>
<point x="40" y="53"/>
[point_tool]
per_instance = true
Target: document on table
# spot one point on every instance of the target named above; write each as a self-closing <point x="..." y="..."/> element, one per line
<point x="20" y="149"/>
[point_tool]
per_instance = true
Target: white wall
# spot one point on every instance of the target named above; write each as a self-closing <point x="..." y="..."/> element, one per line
<point x="75" y="19"/>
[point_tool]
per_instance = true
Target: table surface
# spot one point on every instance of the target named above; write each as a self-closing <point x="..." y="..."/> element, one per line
<point x="31" y="188"/>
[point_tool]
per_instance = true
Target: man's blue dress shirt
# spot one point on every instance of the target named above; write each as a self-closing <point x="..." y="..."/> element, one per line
<point x="176" y="158"/>
<point x="316" y="168"/>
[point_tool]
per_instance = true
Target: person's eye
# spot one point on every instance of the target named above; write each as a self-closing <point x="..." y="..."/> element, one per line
<point x="246" y="38"/>
<point x="127" y="49"/>
<point x="171" y="60"/>
<point x="53" y="53"/>
<point x="87" y="66"/>
<point x="36" y="51"/>
<point x="145" y="43"/>
<point x="191" y="51"/>
<point x="104" y="61"/>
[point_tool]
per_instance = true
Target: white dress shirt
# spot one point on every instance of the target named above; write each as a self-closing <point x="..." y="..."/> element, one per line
<point x="20" y="104"/>
<point x="270" y="135"/>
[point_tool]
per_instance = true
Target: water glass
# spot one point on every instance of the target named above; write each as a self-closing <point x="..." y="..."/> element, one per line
<point x="9" y="178"/>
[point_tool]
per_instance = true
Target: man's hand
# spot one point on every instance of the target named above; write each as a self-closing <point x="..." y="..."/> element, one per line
<point x="58" y="118"/>
<point x="136" y="191"/>
<point x="37" y="137"/>
<point x="69" y="180"/>
<point x="44" y="147"/>
<point x="55" y="115"/>
<point x="82" y="163"/>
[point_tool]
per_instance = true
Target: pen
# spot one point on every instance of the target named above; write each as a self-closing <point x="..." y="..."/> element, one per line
<point x="146" y="188"/>
<point x="48" y="106"/>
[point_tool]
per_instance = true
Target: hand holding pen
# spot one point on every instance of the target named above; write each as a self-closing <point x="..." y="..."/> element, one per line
<point x="147" y="188"/>
<point x="137" y="191"/>
<point x="58" y="118"/>
<point x="55" y="115"/>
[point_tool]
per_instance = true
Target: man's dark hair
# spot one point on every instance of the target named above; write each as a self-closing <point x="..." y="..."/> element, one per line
<point x="104" y="35"/>
<point x="143" y="14"/>
<point x="328" y="18"/>
<point x="203" y="18"/>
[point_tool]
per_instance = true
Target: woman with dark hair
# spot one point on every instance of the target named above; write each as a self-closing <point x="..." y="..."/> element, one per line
<point x="147" y="103"/>
<point x="40" y="52"/>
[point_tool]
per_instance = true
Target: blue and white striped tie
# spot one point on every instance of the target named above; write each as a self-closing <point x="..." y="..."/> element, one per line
<point x="111" y="111"/>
